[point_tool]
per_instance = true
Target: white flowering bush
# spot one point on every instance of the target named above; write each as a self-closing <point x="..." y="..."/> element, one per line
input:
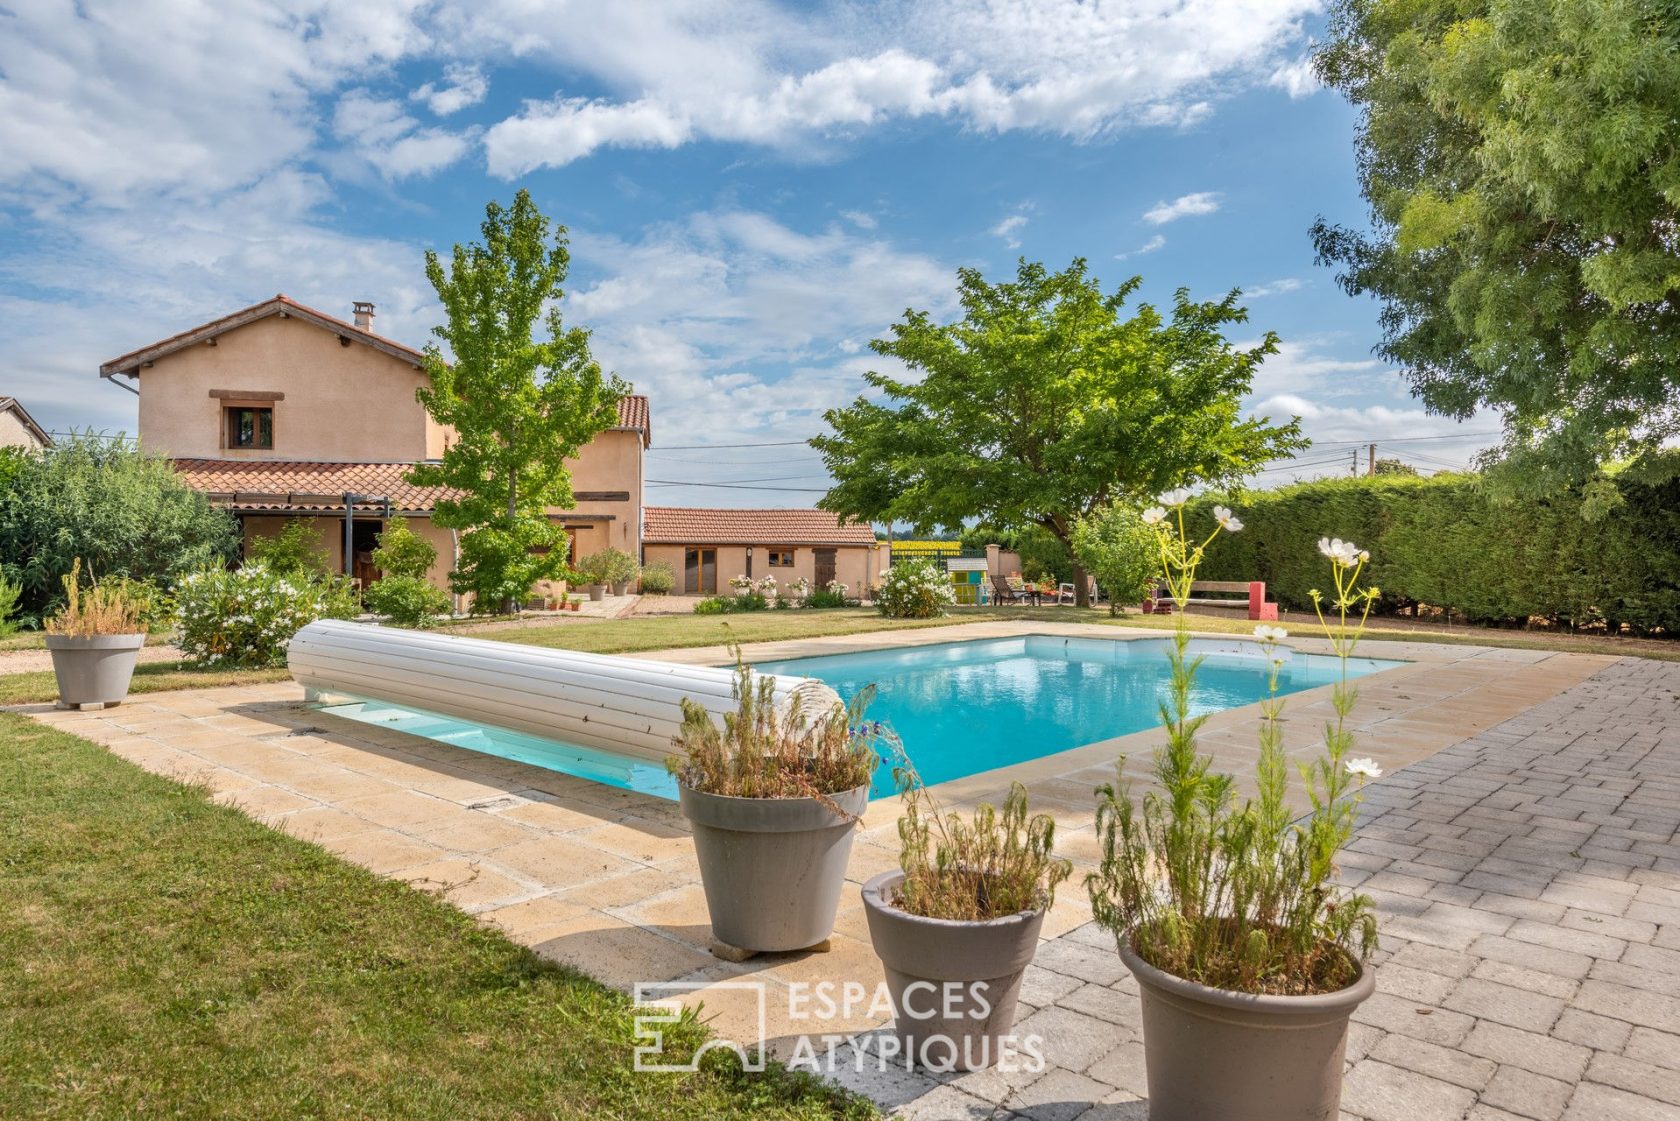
<point x="743" y="585"/>
<point x="798" y="588"/>
<point x="914" y="590"/>
<point x="245" y="617"/>
<point x="767" y="587"/>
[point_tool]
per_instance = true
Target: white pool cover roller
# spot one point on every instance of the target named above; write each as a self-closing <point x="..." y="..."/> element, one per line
<point x="630" y="706"/>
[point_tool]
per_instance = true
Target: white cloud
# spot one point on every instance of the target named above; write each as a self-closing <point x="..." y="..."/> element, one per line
<point x="860" y="219"/>
<point x="1296" y="78"/>
<point x="1150" y="246"/>
<point x="391" y="140"/>
<point x="1184" y="206"/>
<point x="1275" y="288"/>
<point x="462" y="86"/>
<point x="1009" y="228"/>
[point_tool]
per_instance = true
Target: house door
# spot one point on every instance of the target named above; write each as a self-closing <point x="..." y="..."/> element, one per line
<point x="364" y="535"/>
<point x="825" y="566"/>
<point x="700" y="572"/>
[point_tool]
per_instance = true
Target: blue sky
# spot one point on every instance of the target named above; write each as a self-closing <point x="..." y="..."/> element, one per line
<point x="753" y="190"/>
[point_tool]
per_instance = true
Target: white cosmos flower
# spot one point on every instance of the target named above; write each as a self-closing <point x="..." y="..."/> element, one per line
<point x="1222" y="515"/>
<point x="1344" y="553"/>
<point x="1154" y="515"/>
<point x="1363" y="767"/>
<point x="1267" y="633"/>
<point x="1175" y="497"/>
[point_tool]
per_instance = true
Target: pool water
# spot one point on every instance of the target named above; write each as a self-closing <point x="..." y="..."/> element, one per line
<point x="960" y="707"/>
<point x="966" y="707"/>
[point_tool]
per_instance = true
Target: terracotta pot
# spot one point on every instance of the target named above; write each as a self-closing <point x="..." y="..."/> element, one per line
<point x="1214" y="1055"/>
<point x="772" y="868"/>
<point x="953" y="984"/>
<point x="95" y="669"/>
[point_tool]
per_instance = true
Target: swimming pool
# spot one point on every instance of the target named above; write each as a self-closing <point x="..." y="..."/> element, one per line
<point x="966" y="707"/>
<point x="960" y="707"/>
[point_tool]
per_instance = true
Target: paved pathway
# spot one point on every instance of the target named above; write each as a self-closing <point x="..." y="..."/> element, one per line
<point x="1528" y="877"/>
<point x="1529" y="885"/>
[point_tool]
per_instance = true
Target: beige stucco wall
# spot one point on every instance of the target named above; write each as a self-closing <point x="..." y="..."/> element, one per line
<point x="610" y="462"/>
<point x="329" y="535"/>
<point x="14" y="433"/>
<point x="342" y="403"/>
<point x="855" y="566"/>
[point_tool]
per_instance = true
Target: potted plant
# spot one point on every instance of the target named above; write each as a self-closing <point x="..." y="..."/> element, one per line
<point x="1223" y="909"/>
<point x="956" y="924"/>
<point x="774" y="797"/>
<point x="592" y="574"/>
<point x="618" y="569"/>
<point x="95" y="638"/>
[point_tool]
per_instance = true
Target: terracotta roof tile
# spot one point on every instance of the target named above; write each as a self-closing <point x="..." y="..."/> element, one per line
<point x="306" y="487"/>
<point x="634" y="413"/>
<point x="679" y="525"/>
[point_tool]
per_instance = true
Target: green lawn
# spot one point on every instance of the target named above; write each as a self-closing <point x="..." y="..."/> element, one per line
<point x="153" y="677"/>
<point x="165" y="956"/>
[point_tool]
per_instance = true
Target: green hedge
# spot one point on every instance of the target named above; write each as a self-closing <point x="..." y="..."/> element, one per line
<point x="1446" y="543"/>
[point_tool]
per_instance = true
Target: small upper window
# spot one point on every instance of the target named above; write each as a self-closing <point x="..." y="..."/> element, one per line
<point x="781" y="558"/>
<point x="250" y="428"/>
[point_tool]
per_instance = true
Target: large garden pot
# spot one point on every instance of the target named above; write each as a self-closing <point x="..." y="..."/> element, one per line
<point x="621" y="587"/>
<point x="1214" y="1055"/>
<point x="95" y="669"/>
<point x="772" y="867"/>
<point x="596" y="592"/>
<point x="953" y="984"/>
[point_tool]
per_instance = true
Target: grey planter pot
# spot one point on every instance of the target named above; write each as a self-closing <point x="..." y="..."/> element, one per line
<point x="772" y="868"/>
<point x="96" y="669"/>
<point x="1213" y="1055"/>
<point x="621" y="587"/>
<point x="596" y="592"/>
<point x="948" y="962"/>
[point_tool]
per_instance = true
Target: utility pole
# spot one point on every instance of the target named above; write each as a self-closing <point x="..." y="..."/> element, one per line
<point x="1373" y="470"/>
<point x="1354" y="469"/>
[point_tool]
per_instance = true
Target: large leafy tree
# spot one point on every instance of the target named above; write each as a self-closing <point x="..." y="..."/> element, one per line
<point x="1522" y="164"/>
<point x="1043" y="402"/>
<point x="520" y="407"/>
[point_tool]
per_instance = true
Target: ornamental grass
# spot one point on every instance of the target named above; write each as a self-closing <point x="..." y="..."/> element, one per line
<point x="1238" y="894"/>
<point x="105" y="607"/>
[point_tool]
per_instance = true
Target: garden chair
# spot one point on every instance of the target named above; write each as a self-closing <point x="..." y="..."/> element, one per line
<point x="1006" y="592"/>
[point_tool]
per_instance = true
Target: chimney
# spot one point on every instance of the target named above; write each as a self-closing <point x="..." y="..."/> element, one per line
<point x="363" y="314"/>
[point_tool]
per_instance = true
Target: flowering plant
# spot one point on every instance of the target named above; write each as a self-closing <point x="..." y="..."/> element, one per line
<point x="914" y="590"/>
<point x="799" y="588"/>
<point x="741" y="584"/>
<point x="1227" y="893"/>
<point x="246" y="616"/>
<point x="767" y="587"/>
<point x="836" y="587"/>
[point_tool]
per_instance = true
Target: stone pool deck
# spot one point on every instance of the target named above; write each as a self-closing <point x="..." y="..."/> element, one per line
<point x="1521" y="849"/>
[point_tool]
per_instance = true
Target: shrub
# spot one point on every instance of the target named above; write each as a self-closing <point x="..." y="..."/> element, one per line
<point x="400" y="551"/>
<point x="407" y="601"/>
<point x="725" y="605"/>
<point x="294" y="551"/>
<point x="1119" y="551"/>
<point x="246" y="616"/>
<point x="916" y="590"/>
<point x="770" y="750"/>
<point x="1446" y="542"/>
<point x="114" y="606"/>
<point x="1043" y="556"/>
<point x="10" y="590"/>
<point x="823" y="597"/>
<point x="658" y="579"/>
<point x="121" y="512"/>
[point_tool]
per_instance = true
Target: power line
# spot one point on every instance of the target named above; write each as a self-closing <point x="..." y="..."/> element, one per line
<point x="709" y="447"/>
<point x="1402" y="440"/>
<point x="737" y="486"/>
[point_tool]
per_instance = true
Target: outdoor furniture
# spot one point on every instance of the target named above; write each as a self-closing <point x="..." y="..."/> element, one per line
<point x="1006" y="592"/>
<point x="1067" y="593"/>
<point x="625" y="706"/>
<point x="1253" y="591"/>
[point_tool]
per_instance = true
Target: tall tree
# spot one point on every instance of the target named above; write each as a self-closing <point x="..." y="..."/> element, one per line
<point x="1043" y="402"/>
<point x="519" y="407"/>
<point x="1522" y="164"/>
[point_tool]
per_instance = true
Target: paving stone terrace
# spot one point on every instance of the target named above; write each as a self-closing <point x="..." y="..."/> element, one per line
<point x="1526" y="870"/>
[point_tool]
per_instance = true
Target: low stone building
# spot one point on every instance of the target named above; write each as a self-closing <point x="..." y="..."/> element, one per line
<point x="708" y="547"/>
